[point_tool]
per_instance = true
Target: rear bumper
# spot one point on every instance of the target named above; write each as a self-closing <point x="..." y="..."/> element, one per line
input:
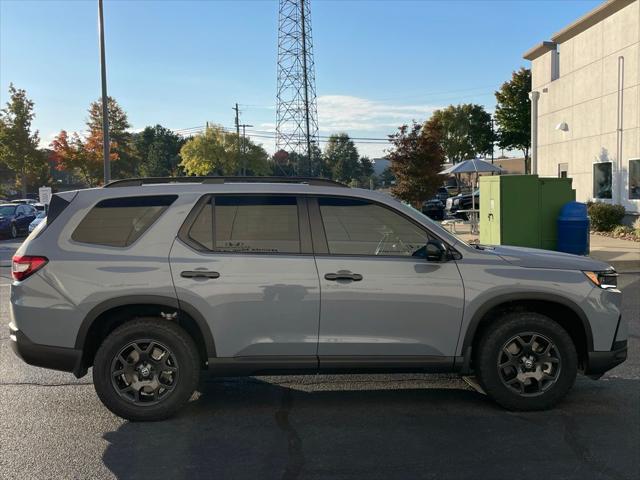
<point x="55" y="358"/>
<point x="600" y="362"/>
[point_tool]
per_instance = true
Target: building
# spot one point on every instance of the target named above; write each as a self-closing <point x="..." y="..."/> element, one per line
<point x="586" y="99"/>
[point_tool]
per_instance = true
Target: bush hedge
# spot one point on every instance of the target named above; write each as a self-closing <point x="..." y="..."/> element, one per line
<point x="605" y="217"/>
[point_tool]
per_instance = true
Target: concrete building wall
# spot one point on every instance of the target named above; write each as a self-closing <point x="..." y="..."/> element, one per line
<point x="586" y="98"/>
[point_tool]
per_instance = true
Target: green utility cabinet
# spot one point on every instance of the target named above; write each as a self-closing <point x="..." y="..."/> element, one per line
<point x="522" y="210"/>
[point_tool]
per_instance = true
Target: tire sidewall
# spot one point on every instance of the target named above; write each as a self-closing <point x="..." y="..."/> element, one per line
<point x="181" y="346"/>
<point x="514" y="324"/>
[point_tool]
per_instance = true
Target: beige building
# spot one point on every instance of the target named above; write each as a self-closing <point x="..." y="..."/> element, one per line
<point x="586" y="84"/>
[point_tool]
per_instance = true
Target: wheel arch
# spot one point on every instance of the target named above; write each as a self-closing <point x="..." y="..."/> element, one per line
<point x="108" y="315"/>
<point x="560" y="309"/>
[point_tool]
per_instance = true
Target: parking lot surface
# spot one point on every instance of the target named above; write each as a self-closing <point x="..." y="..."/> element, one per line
<point x="341" y="427"/>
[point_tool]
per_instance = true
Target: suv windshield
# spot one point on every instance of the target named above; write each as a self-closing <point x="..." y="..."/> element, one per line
<point x="7" y="210"/>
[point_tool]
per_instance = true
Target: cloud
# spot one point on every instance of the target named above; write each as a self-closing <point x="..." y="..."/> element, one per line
<point x="344" y="112"/>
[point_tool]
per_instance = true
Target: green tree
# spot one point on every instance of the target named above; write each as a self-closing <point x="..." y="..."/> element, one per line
<point x="125" y="163"/>
<point x="215" y="152"/>
<point x="386" y="178"/>
<point x="416" y="158"/>
<point x="465" y="131"/>
<point x="341" y="158"/>
<point x="18" y="144"/>
<point x="513" y="114"/>
<point x="158" y="151"/>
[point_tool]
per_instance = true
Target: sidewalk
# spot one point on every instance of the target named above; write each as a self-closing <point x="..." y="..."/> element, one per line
<point x="623" y="255"/>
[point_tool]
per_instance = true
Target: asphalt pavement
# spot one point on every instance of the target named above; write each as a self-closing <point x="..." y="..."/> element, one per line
<point x="338" y="427"/>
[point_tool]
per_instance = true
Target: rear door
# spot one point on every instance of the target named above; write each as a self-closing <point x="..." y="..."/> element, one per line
<point x="382" y="301"/>
<point x="245" y="263"/>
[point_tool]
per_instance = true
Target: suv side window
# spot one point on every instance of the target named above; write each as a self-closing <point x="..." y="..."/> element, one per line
<point x="118" y="222"/>
<point x="20" y="210"/>
<point x="360" y="227"/>
<point x="248" y="224"/>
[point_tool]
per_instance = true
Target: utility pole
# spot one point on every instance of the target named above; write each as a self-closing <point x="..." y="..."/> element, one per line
<point x="244" y="149"/>
<point x="237" y="128"/>
<point x="105" y="110"/>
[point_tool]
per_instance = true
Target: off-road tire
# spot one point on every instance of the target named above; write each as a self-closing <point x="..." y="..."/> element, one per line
<point x="491" y="345"/>
<point x="167" y="333"/>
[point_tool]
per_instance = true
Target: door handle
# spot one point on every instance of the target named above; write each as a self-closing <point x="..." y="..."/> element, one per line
<point x="343" y="275"/>
<point x="199" y="274"/>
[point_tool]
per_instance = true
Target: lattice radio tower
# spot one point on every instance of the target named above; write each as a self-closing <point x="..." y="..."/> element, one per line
<point x="297" y="111"/>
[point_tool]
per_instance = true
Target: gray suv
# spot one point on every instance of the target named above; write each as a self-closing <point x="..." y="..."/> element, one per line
<point x="150" y="281"/>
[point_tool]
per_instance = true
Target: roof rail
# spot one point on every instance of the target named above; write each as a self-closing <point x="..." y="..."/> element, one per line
<point x="137" y="182"/>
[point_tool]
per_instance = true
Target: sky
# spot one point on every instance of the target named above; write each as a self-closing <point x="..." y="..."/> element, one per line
<point x="379" y="63"/>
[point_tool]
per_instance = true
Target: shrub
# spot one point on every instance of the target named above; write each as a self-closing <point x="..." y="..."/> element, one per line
<point x="622" y="230"/>
<point x="636" y="227"/>
<point x="604" y="217"/>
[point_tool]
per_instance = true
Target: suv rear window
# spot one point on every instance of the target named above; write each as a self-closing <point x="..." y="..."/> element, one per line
<point x="118" y="222"/>
<point x="248" y="224"/>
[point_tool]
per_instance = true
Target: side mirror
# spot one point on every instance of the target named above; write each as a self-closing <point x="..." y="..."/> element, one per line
<point x="436" y="251"/>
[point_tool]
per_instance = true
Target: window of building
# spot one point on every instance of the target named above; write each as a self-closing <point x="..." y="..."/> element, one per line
<point x="118" y="222"/>
<point x="357" y="227"/>
<point x="602" y="180"/>
<point x="248" y="224"/>
<point x="563" y="170"/>
<point x="555" y="63"/>
<point x="634" y="179"/>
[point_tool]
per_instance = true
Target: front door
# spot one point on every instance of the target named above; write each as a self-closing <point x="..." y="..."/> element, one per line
<point x="245" y="263"/>
<point x="381" y="299"/>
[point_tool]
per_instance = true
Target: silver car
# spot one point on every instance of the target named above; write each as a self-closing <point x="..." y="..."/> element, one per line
<point x="152" y="280"/>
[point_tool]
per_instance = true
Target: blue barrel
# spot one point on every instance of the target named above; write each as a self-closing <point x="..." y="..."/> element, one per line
<point x="573" y="229"/>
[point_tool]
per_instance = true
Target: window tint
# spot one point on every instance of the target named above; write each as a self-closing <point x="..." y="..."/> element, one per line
<point x="256" y="224"/>
<point x="248" y="224"/>
<point x="201" y="230"/>
<point x="118" y="222"/>
<point x="357" y="227"/>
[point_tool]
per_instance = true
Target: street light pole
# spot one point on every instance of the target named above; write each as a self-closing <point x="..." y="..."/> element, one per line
<point x="105" y="109"/>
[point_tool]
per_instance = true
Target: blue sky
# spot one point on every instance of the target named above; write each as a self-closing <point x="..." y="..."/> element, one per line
<point x="182" y="63"/>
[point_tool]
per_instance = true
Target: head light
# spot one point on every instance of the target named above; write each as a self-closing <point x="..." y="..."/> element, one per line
<point x="606" y="279"/>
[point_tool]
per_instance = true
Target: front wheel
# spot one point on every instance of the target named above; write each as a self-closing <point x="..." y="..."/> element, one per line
<point x="526" y="361"/>
<point x="146" y="369"/>
<point x="13" y="231"/>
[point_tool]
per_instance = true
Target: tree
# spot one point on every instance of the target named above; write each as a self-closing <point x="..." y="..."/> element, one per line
<point x="416" y="158"/>
<point x="365" y="172"/>
<point x="71" y="154"/>
<point x="215" y="152"/>
<point x="513" y="114"/>
<point x="18" y="145"/>
<point x="465" y="131"/>
<point x="341" y="158"/>
<point x="125" y="163"/>
<point x="158" y="151"/>
<point x="387" y="177"/>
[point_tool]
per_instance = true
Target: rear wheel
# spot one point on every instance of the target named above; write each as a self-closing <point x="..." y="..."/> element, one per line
<point x="146" y="369"/>
<point x="526" y="361"/>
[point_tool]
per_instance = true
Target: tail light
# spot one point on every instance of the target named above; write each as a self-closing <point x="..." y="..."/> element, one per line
<point x="24" y="266"/>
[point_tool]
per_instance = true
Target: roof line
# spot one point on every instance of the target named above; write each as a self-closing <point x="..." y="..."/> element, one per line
<point x="606" y="9"/>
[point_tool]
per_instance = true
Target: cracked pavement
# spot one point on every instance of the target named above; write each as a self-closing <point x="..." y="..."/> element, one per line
<point x="339" y="427"/>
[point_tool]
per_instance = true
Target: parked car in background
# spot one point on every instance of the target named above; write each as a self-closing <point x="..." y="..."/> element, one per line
<point x="41" y="207"/>
<point x="434" y="209"/>
<point x="442" y="194"/>
<point x="38" y="220"/>
<point x="462" y="202"/>
<point x="23" y="201"/>
<point x="15" y="219"/>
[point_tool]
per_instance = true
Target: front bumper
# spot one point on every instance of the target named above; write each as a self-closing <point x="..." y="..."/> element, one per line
<point x="55" y="358"/>
<point x="600" y="362"/>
